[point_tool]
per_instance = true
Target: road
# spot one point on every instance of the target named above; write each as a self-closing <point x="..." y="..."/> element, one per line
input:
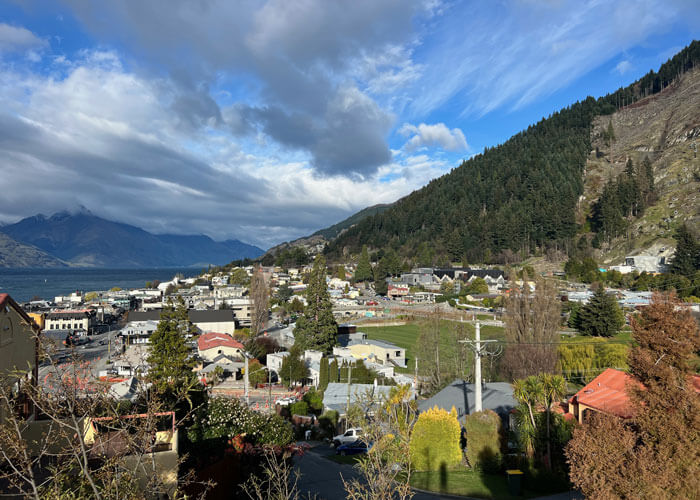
<point x="322" y="477"/>
<point x="95" y="353"/>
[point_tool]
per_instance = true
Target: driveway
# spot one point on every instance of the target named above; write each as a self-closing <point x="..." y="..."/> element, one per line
<point x="322" y="477"/>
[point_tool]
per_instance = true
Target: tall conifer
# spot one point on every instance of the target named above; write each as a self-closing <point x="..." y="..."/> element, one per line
<point x="317" y="328"/>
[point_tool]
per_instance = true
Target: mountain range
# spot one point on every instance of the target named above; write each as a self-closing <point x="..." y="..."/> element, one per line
<point x="82" y="239"/>
<point x="536" y="193"/>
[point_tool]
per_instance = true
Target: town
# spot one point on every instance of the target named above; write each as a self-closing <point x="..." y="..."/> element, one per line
<point x="315" y="349"/>
<point x="374" y="250"/>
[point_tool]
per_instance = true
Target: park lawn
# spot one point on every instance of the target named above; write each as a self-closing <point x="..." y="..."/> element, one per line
<point x="468" y="482"/>
<point x="406" y="336"/>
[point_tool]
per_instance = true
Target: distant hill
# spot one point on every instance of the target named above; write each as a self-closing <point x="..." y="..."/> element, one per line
<point x="333" y="231"/>
<point x="83" y="239"/>
<point x="16" y="254"/>
<point x="323" y="236"/>
<point x="526" y="195"/>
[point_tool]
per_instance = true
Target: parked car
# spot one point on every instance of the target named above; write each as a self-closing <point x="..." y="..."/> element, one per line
<point x="354" y="448"/>
<point x="286" y="401"/>
<point x="349" y="436"/>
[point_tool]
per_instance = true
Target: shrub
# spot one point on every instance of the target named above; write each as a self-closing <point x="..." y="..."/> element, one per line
<point x="435" y="440"/>
<point x="314" y="400"/>
<point x="328" y="422"/>
<point x="484" y="438"/>
<point x="299" y="408"/>
<point x="225" y="418"/>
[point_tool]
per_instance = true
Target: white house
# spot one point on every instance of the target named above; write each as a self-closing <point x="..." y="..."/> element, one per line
<point x="211" y="345"/>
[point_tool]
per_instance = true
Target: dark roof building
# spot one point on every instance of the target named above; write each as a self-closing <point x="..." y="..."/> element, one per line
<point x="496" y="396"/>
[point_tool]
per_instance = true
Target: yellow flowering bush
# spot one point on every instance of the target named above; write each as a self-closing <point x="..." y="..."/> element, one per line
<point x="435" y="440"/>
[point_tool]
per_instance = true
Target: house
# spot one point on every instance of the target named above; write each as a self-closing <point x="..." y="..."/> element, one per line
<point x="607" y="393"/>
<point x="211" y="344"/>
<point x="83" y="320"/>
<point x="338" y="396"/>
<point x="496" y="396"/>
<point x="206" y="320"/>
<point x="138" y="332"/>
<point x="19" y="351"/>
<point x="495" y="278"/>
<point x="274" y="360"/>
<point x="641" y="263"/>
<point x="378" y="351"/>
<point x="397" y="290"/>
<point x="133" y="362"/>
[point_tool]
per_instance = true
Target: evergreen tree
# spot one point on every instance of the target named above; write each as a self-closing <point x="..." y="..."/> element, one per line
<point x="364" y="268"/>
<point x="602" y="316"/>
<point x="317" y="328"/>
<point x="323" y="374"/>
<point x="686" y="260"/>
<point x="293" y="368"/>
<point x="381" y="273"/>
<point x="170" y="364"/>
<point x="333" y="371"/>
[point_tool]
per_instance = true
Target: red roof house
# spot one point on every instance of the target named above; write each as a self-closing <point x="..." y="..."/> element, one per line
<point x="607" y="393"/>
<point x="210" y="345"/>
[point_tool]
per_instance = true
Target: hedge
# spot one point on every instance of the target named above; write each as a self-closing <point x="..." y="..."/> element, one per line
<point x="435" y="440"/>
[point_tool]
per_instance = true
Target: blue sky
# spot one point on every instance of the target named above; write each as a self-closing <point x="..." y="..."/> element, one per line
<point x="267" y="120"/>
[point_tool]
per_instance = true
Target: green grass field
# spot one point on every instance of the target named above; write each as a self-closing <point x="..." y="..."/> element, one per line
<point x="471" y="483"/>
<point x="406" y="336"/>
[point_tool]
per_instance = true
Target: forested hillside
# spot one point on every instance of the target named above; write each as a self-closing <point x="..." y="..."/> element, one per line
<point x="514" y="197"/>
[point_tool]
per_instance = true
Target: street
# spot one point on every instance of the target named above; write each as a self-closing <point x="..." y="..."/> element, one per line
<point x="321" y="476"/>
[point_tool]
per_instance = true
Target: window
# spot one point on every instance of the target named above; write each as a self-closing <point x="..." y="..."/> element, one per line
<point x="398" y="354"/>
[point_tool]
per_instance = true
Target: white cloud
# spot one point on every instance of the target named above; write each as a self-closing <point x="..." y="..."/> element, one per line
<point x="487" y="55"/>
<point x="18" y="38"/>
<point x="110" y="139"/>
<point x="436" y="135"/>
<point x="623" y="67"/>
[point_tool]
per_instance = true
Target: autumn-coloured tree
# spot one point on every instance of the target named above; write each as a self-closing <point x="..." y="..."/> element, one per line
<point x="655" y="454"/>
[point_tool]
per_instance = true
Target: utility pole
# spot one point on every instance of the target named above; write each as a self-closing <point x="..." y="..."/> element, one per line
<point x="245" y="380"/>
<point x="478" y="353"/>
<point x="347" y="404"/>
<point x="477" y="368"/>
<point x="415" y="377"/>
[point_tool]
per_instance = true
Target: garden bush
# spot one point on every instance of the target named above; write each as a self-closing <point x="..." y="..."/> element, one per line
<point x="299" y="408"/>
<point x="314" y="399"/>
<point x="435" y="440"/>
<point x="484" y="440"/>
<point x="226" y="418"/>
<point x="328" y="422"/>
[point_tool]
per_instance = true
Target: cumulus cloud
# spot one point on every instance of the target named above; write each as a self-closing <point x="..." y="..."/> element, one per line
<point x="298" y="59"/>
<point x="14" y="38"/>
<point x="110" y="139"/>
<point x="436" y="135"/>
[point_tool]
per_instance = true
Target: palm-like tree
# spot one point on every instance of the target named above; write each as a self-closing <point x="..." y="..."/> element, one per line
<point x="537" y="390"/>
<point x="553" y="389"/>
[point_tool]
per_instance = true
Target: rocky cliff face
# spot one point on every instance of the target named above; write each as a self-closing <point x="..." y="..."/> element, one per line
<point x="666" y="129"/>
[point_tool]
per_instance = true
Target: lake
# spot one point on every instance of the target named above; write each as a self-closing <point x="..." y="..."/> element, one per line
<point x="24" y="284"/>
